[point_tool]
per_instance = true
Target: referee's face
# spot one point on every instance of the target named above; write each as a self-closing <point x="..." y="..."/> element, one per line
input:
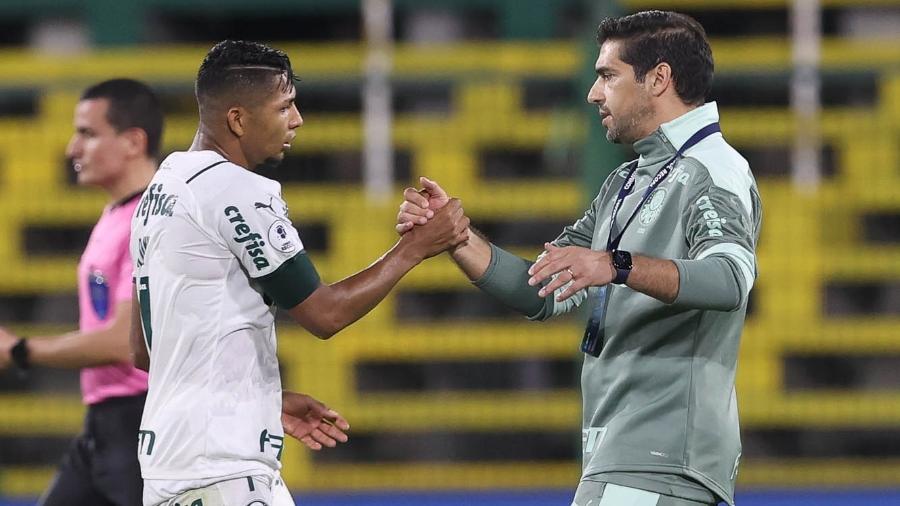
<point x="99" y="153"/>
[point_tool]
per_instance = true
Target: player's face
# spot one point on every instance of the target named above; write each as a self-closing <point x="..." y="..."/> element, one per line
<point x="625" y="105"/>
<point x="274" y="122"/>
<point x="98" y="152"/>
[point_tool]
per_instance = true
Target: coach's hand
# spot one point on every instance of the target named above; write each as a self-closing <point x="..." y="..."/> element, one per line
<point x="447" y="229"/>
<point x="419" y="206"/>
<point x="580" y="267"/>
<point x="313" y="423"/>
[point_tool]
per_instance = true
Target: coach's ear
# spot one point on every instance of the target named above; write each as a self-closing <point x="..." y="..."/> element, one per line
<point x="236" y="117"/>
<point x="659" y="79"/>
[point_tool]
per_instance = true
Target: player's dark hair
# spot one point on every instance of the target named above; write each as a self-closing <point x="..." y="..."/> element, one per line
<point x="132" y="104"/>
<point x="653" y="37"/>
<point x="232" y="68"/>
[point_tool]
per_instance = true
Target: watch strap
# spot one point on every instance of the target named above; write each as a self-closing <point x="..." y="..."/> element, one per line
<point x="621" y="261"/>
<point x="19" y="354"/>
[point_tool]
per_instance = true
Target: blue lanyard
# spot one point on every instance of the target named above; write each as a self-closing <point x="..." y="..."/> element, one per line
<point x="594" y="332"/>
<point x="612" y="243"/>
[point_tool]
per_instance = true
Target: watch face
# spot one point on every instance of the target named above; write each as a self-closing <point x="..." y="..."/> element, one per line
<point x="622" y="259"/>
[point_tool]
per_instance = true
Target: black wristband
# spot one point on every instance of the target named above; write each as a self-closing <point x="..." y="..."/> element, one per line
<point x="19" y="354"/>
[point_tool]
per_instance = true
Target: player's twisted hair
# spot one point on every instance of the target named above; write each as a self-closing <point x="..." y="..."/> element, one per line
<point x="653" y="37"/>
<point x="242" y="69"/>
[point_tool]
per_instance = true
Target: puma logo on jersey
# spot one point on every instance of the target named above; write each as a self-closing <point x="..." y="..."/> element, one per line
<point x="280" y="212"/>
<point x="156" y="203"/>
<point x="260" y="205"/>
<point x="713" y="221"/>
<point x="243" y="234"/>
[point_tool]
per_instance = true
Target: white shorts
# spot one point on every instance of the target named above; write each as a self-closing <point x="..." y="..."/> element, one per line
<point x="257" y="490"/>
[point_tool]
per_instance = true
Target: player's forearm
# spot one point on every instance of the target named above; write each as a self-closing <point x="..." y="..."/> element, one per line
<point x="473" y="257"/>
<point x="342" y="303"/>
<point x="655" y="277"/>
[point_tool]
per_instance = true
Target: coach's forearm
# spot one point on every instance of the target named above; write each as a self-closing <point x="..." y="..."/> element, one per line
<point x="713" y="282"/>
<point x="506" y="279"/>
<point x="655" y="277"/>
<point x="473" y="257"/>
<point x="709" y="283"/>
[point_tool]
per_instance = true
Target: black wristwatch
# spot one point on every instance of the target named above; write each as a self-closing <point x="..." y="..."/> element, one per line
<point x="19" y="354"/>
<point x="621" y="261"/>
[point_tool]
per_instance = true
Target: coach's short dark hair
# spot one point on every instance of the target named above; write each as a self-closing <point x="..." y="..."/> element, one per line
<point x="234" y="68"/>
<point x="653" y="37"/>
<point x="132" y="104"/>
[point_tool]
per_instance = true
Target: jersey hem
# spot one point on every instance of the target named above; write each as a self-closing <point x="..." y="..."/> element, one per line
<point x="180" y="476"/>
<point x="703" y="479"/>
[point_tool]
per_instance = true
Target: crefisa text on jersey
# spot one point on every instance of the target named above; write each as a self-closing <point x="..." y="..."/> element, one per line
<point x="155" y="202"/>
<point x="714" y="222"/>
<point x="245" y="235"/>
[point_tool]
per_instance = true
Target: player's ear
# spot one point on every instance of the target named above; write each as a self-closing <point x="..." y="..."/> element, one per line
<point x="236" y="117"/>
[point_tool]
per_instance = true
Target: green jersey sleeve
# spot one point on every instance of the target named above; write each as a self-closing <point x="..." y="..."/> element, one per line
<point x="721" y="218"/>
<point x="293" y="281"/>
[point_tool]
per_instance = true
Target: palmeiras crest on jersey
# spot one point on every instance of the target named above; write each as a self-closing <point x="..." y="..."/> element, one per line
<point x="653" y="207"/>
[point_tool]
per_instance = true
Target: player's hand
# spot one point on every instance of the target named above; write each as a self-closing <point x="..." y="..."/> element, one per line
<point x="447" y="229"/>
<point x="311" y="422"/>
<point x="419" y="206"/>
<point x="7" y="341"/>
<point x="584" y="267"/>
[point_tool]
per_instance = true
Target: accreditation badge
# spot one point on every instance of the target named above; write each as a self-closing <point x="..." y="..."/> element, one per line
<point x="98" y="289"/>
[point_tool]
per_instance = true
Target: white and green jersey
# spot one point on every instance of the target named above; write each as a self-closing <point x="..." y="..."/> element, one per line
<point x="659" y="398"/>
<point x="206" y="237"/>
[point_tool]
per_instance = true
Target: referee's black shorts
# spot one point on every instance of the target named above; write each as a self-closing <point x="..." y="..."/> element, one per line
<point x="101" y="466"/>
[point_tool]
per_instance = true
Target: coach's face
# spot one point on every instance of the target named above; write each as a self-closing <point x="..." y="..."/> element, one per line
<point x="273" y="124"/>
<point x="99" y="153"/>
<point x="624" y="104"/>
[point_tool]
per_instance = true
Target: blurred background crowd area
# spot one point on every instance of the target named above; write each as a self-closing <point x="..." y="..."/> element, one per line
<point x="446" y="390"/>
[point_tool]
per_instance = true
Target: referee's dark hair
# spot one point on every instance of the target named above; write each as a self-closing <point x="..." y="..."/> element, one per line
<point x="132" y="104"/>
<point x="653" y="37"/>
<point x="241" y="71"/>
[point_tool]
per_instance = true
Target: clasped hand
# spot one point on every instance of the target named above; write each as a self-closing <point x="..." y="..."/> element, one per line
<point x="430" y="212"/>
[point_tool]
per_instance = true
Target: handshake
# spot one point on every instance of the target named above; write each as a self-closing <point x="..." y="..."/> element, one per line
<point x="430" y="221"/>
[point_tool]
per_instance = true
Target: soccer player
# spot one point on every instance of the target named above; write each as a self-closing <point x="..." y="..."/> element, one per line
<point x="118" y="125"/>
<point x="214" y="252"/>
<point x="664" y="258"/>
